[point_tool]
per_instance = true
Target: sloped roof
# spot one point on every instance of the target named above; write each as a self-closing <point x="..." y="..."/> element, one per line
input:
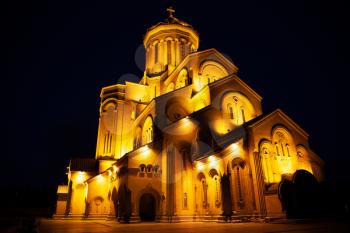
<point x="278" y="111"/>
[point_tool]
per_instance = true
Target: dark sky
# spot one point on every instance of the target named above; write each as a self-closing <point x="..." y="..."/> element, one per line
<point x="61" y="53"/>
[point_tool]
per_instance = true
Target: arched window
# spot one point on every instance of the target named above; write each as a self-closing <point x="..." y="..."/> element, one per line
<point x="204" y="188"/>
<point x="215" y="176"/>
<point x="147" y="131"/>
<point x="287" y="147"/>
<point x="156" y="169"/>
<point x="238" y="166"/>
<point x="156" y="53"/>
<point x="108" y="126"/>
<point x="149" y="168"/>
<point x="211" y="71"/>
<point x="243" y="116"/>
<point x="237" y="108"/>
<point x="285" y="162"/>
<point x="230" y="111"/>
<point x="277" y="150"/>
<point x="142" y="168"/>
<point x="107" y="149"/>
<point x="266" y="161"/>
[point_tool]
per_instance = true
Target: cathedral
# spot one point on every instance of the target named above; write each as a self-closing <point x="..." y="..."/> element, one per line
<point x="189" y="142"/>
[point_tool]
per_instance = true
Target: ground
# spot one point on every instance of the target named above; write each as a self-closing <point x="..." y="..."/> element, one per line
<point x="90" y="226"/>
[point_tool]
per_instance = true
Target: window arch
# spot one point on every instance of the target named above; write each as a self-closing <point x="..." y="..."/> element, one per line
<point x="142" y="168"/>
<point x="268" y="157"/>
<point x="238" y="174"/>
<point x="284" y="149"/>
<point x="108" y="126"/>
<point x="213" y="173"/>
<point x="156" y="169"/>
<point x="230" y="111"/>
<point x="211" y="71"/>
<point x="237" y="108"/>
<point x="156" y="55"/>
<point x="204" y="189"/>
<point x="149" y="168"/>
<point x="147" y="131"/>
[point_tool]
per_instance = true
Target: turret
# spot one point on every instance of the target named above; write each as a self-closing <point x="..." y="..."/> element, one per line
<point x="167" y="43"/>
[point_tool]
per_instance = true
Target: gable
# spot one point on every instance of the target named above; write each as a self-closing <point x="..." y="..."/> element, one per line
<point x="197" y="63"/>
<point x="262" y="127"/>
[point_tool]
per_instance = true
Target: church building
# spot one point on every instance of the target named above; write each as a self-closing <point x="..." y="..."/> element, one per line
<point x="189" y="142"/>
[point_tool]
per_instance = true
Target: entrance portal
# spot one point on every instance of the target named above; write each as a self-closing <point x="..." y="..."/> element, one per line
<point x="147" y="210"/>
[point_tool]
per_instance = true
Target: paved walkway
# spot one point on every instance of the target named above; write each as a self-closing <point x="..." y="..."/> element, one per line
<point x="90" y="226"/>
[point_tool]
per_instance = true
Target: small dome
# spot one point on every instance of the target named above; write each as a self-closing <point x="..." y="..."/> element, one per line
<point x="171" y="26"/>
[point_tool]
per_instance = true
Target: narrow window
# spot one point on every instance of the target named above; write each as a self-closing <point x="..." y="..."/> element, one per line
<point x="287" y="146"/>
<point x="169" y="51"/>
<point x="105" y="144"/>
<point x="156" y="169"/>
<point x="156" y="53"/>
<point x="243" y="116"/>
<point x="282" y="149"/>
<point x="142" y="168"/>
<point x="150" y="135"/>
<point x="110" y="143"/>
<point x="230" y="110"/>
<point x="149" y="168"/>
<point x="277" y="152"/>
<point x="185" y="200"/>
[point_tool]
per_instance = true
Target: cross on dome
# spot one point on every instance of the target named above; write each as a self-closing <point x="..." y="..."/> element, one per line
<point x="170" y="10"/>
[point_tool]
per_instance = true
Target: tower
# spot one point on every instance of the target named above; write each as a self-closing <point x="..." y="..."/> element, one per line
<point x="167" y="43"/>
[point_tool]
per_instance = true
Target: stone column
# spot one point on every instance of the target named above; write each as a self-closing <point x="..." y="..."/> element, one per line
<point x="259" y="181"/>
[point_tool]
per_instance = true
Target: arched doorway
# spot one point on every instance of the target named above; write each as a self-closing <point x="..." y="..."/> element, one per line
<point x="147" y="209"/>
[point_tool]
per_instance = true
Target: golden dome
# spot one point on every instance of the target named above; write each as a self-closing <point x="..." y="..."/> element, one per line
<point x="171" y="26"/>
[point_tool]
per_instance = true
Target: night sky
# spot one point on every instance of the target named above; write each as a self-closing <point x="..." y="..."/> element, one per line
<point x="61" y="53"/>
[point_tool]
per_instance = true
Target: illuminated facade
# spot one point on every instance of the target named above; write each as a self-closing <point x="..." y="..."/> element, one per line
<point x="189" y="142"/>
